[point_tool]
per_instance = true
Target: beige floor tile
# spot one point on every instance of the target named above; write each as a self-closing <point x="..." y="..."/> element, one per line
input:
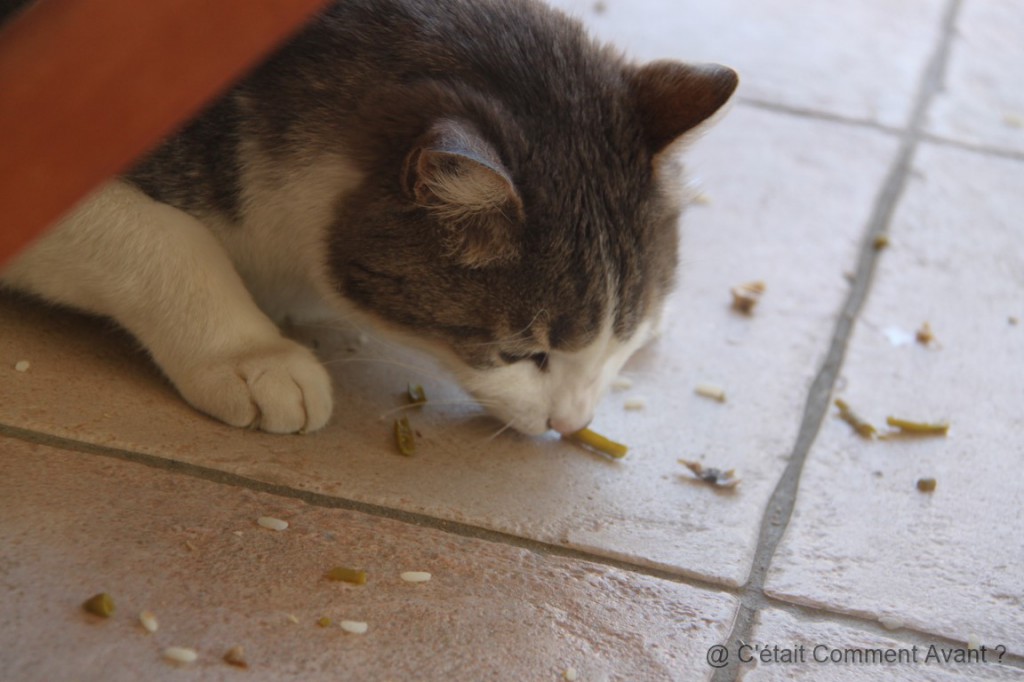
<point x="758" y="169"/>
<point x="190" y="551"/>
<point x="976" y="106"/>
<point x="863" y="539"/>
<point x="797" y="649"/>
<point x="849" y="58"/>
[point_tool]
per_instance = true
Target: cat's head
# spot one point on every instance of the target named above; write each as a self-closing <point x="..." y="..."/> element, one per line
<point x="528" y="238"/>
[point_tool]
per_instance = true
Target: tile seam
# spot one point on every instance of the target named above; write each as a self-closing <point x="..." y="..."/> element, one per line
<point x="904" y="634"/>
<point x="979" y="149"/>
<point x="325" y="501"/>
<point x="780" y="506"/>
<point x="818" y="115"/>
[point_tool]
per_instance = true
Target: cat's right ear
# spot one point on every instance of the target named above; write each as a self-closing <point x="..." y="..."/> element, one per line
<point x="674" y="98"/>
<point x="458" y="176"/>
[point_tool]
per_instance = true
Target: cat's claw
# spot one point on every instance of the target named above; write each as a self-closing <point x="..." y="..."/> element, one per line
<point x="279" y="389"/>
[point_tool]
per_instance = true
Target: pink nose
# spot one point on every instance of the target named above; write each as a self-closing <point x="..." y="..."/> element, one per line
<point x="567" y="426"/>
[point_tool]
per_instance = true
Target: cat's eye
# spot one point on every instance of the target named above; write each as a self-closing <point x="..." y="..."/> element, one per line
<point x="539" y="359"/>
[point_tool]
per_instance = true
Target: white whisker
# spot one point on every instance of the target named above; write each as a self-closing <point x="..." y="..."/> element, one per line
<point x="494" y="435"/>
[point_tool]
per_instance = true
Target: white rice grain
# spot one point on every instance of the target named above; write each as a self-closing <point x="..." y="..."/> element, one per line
<point x="415" y="576"/>
<point x="634" y="404"/>
<point x="709" y="391"/>
<point x="272" y="523"/>
<point x="22" y="366"/>
<point x="571" y="675"/>
<point x="180" y="654"/>
<point x="973" y="642"/>
<point x="622" y="384"/>
<point x="354" y="627"/>
<point x="890" y="622"/>
<point x="148" y="621"/>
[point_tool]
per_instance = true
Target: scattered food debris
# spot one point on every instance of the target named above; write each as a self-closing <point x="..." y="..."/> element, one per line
<point x="891" y="622"/>
<point x="271" y="523"/>
<point x="880" y="242"/>
<point x="926" y="485"/>
<point x="924" y="335"/>
<point x="101" y="604"/>
<point x="148" y="621"/>
<point x="570" y="674"/>
<point x="710" y="391"/>
<point x="180" y="654"/>
<point x="746" y="296"/>
<point x="417" y="396"/>
<point x="973" y="641"/>
<point x="596" y="441"/>
<point x="292" y="618"/>
<point x="905" y="426"/>
<point x="324" y="622"/>
<point x="863" y="428"/>
<point x="236" y="656"/>
<point x="635" y="403"/>
<point x="701" y="199"/>
<point x="716" y="477"/>
<point x="404" y="437"/>
<point x="354" y="626"/>
<point x="415" y="576"/>
<point x="622" y="384"/>
<point x="347" y="575"/>
<point x="1013" y="320"/>
<point x="22" y="366"/>
<point x="1013" y="120"/>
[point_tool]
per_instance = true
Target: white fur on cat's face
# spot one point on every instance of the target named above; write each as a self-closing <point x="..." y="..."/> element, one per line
<point x="563" y="396"/>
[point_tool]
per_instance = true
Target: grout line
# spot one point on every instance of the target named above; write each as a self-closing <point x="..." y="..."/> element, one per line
<point x="325" y="501"/>
<point x="818" y="115"/>
<point x="984" y="150"/>
<point x="783" y="500"/>
<point x="866" y="623"/>
<point x="830" y="117"/>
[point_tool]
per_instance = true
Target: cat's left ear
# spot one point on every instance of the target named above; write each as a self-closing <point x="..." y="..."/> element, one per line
<point x="458" y="176"/>
<point x="674" y="98"/>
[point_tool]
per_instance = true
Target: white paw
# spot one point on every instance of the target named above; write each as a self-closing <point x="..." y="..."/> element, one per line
<point x="280" y="388"/>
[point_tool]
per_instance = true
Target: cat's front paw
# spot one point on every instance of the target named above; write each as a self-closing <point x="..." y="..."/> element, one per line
<point x="281" y="388"/>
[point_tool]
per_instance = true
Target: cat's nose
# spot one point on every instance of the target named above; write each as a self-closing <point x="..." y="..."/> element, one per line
<point x="567" y="426"/>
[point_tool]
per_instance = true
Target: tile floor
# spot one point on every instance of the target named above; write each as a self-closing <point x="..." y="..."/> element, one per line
<point x="855" y="118"/>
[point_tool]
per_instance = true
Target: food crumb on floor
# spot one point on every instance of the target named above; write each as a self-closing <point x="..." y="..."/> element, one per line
<point x="271" y="523"/>
<point x="634" y="404"/>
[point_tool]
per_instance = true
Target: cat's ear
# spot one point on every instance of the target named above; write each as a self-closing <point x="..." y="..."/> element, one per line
<point x="456" y="174"/>
<point x="674" y="98"/>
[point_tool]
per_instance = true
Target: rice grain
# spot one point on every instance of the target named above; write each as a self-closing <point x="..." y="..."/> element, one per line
<point x="180" y="654"/>
<point x="148" y="621"/>
<point x="415" y="576"/>
<point x="272" y="523"/>
<point x="354" y="627"/>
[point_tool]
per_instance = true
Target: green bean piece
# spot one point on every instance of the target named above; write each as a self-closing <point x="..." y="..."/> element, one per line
<point x="862" y="427"/>
<point x="347" y="575"/>
<point x="417" y="396"/>
<point x="596" y="441"/>
<point x="918" y="428"/>
<point x="101" y="605"/>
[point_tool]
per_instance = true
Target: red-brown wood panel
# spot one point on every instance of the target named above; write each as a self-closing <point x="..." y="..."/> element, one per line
<point x="86" y="86"/>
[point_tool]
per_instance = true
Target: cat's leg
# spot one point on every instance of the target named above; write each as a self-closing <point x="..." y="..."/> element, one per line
<point x="164" y="277"/>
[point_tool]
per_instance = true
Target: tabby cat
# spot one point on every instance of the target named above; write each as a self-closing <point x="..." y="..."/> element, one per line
<point x="476" y="178"/>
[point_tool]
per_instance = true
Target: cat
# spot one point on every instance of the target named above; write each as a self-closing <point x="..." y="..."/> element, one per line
<point x="475" y="178"/>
